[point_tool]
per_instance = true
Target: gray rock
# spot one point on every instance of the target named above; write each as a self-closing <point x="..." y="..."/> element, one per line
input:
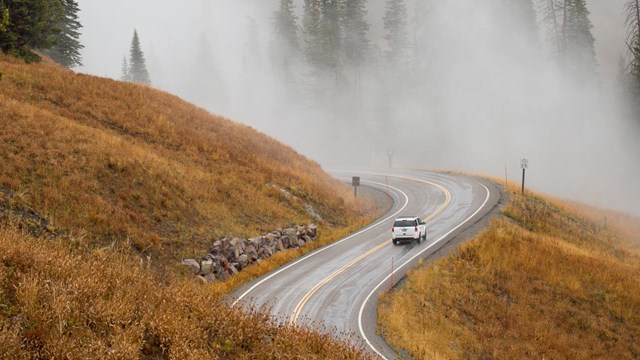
<point x="311" y="230"/>
<point x="206" y="267"/>
<point x="291" y="233"/>
<point x="306" y="238"/>
<point x="192" y="265"/>
<point x="243" y="260"/>
<point x="210" y="278"/>
<point x="232" y="268"/>
<point x="202" y="279"/>
<point x="280" y="245"/>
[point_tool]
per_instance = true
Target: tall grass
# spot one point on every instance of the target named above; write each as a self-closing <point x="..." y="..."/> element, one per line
<point x="121" y="163"/>
<point x="56" y="303"/>
<point x="550" y="283"/>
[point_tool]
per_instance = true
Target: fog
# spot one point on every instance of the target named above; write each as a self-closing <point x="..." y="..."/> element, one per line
<point x="482" y="93"/>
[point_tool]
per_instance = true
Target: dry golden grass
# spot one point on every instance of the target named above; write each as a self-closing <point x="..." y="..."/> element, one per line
<point x="553" y="283"/>
<point x="131" y="180"/>
<point x="121" y="163"/>
<point x="62" y="304"/>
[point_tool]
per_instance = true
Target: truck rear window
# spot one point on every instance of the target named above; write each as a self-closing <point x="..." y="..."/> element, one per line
<point x="404" y="223"/>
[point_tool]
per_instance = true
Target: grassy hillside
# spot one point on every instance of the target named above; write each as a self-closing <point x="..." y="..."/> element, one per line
<point x="113" y="162"/>
<point x="62" y="304"/>
<point x="551" y="280"/>
<point x="104" y="185"/>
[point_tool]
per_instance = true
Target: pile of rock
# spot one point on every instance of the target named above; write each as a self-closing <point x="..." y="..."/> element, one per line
<point x="228" y="256"/>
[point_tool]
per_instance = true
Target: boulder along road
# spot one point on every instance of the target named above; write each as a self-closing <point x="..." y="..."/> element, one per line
<point x="336" y="288"/>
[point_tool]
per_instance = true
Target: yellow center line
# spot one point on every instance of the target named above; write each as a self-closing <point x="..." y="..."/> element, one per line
<point x="315" y="289"/>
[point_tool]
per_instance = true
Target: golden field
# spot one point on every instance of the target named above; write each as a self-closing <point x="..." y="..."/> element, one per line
<point x="112" y="162"/>
<point x="550" y="280"/>
<point x="105" y="186"/>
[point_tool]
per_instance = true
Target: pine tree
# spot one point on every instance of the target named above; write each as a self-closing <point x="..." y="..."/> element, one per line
<point x="286" y="27"/>
<point x="30" y="24"/>
<point x="577" y="52"/>
<point x="330" y="36"/>
<point x="356" y="44"/>
<point x="126" y="76"/>
<point x="396" y="26"/>
<point x="4" y="17"/>
<point x="66" y="50"/>
<point x="311" y="32"/>
<point x="632" y="10"/>
<point x="551" y="11"/>
<point x="137" y="67"/>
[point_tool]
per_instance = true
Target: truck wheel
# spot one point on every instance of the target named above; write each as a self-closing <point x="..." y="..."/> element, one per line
<point x="425" y="236"/>
<point x="395" y="242"/>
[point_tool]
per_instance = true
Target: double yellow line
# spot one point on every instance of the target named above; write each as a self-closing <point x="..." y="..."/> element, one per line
<point x="298" y="309"/>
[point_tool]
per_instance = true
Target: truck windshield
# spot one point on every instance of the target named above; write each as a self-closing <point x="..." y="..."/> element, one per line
<point x="404" y="223"/>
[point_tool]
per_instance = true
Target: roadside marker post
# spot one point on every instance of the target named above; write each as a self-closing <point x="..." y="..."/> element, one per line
<point x="355" y="181"/>
<point x="524" y="164"/>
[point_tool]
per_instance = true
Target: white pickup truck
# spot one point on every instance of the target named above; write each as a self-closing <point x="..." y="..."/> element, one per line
<point x="408" y="228"/>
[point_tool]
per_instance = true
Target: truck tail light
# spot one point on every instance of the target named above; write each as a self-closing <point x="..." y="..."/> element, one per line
<point x="416" y="229"/>
<point x="393" y="229"/>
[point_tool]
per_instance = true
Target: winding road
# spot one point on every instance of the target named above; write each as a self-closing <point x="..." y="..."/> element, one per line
<point x="336" y="288"/>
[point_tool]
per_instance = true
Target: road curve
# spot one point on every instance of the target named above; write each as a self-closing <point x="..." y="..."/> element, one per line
<point x="336" y="288"/>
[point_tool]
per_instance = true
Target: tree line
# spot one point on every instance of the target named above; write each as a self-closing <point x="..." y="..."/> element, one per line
<point x="331" y="39"/>
<point x="50" y="26"/>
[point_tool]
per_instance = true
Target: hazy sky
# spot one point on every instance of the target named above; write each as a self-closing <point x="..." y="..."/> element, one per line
<point x="578" y="148"/>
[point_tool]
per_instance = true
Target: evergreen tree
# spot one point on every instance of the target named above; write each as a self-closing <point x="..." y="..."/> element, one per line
<point x="137" y="67"/>
<point x="311" y="32"/>
<point x="396" y="26"/>
<point x="286" y="27"/>
<point x="577" y="53"/>
<point x="126" y="76"/>
<point x="29" y="24"/>
<point x="632" y="10"/>
<point x="356" y="45"/>
<point x="66" y="50"/>
<point x="4" y="17"/>
<point x="551" y="10"/>
<point x="330" y="36"/>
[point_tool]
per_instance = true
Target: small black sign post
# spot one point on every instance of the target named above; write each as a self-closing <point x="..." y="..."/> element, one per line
<point x="355" y="181"/>
<point x="524" y="164"/>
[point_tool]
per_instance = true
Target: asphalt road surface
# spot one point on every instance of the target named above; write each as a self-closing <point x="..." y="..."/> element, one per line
<point x="336" y="288"/>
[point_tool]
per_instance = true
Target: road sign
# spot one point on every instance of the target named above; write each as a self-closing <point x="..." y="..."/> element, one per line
<point x="355" y="181"/>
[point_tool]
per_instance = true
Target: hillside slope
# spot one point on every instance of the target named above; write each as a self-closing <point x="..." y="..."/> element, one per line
<point x="114" y="162"/>
<point x="554" y="281"/>
<point x="104" y="185"/>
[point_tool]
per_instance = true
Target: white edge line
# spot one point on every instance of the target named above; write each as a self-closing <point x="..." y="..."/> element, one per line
<point x="404" y="264"/>
<point x="406" y="202"/>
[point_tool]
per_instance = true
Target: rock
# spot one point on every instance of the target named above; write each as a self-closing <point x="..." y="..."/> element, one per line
<point x="233" y="270"/>
<point x="291" y="233"/>
<point x="311" y="230"/>
<point x="206" y="267"/>
<point x="243" y="260"/>
<point x="202" y="279"/>
<point x="210" y="278"/>
<point x="301" y="242"/>
<point x="251" y="252"/>
<point x="306" y="238"/>
<point x="192" y="265"/>
<point x="280" y="245"/>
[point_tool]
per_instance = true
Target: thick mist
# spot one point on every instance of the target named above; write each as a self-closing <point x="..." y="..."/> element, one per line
<point x="476" y="90"/>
